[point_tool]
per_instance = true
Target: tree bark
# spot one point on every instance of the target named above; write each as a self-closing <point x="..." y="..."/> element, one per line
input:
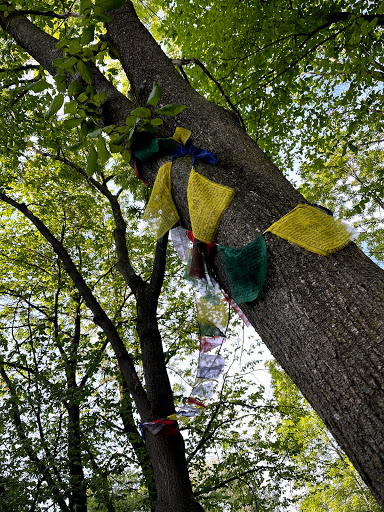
<point x="321" y="317"/>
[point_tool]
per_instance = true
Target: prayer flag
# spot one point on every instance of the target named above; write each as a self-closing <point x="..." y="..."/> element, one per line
<point x="210" y="366"/>
<point x="156" y="146"/>
<point x="161" y="212"/>
<point x="236" y="308"/>
<point x="209" y="330"/>
<point x="212" y="314"/>
<point x="181" y="135"/>
<point x="207" y="202"/>
<point x="203" y="388"/>
<point x="207" y="344"/>
<point x="245" y="269"/>
<point x="192" y="400"/>
<point x="312" y="229"/>
<point x="181" y="243"/>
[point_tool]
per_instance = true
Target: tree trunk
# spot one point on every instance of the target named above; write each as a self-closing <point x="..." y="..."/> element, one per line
<point x="322" y="317"/>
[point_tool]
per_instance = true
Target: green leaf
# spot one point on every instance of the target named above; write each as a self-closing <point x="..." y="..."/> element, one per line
<point x="84" y="71"/>
<point x="72" y="123"/>
<point x="95" y="133"/>
<point x="115" y="149"/>
<point x="39" y="86"/>
<point x="85" y="4"/>
<point x="74" y="47"/>
<point x="70" y="107"/>
<point x="157" y="121"/>
<point x="74" y="88"/>
<point x="61" y="82"/>
<point x="126" y="156"/>
<point x="170" y="110"/>
<point x="55" y="105"/>
<point x="91" y="161"/>
<point x="82" y="97"/>
<point x="102" y="151"/>
<point x="88" y="34"/>
<point x="120" y="139"/>
<point x="110" y="5"/>
<point x="79" y="145"/>
<point x="141" y="112"/>
<point x="130" y="121"/>
<point x="156" y="93"/>
<point x="352" y="147"/>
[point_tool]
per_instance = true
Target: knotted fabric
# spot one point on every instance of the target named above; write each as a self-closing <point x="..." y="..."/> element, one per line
<point x="245" y="269"/>
<point x="207" y="202"/>
<point x="312" y="229"/>
<point x="161" y="212"/>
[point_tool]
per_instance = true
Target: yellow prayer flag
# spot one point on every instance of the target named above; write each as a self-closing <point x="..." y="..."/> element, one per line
<point x="161" y="212"/>
<point x="176" y="417"/>
<point x="312" y="229"/>
<point x="181" y="135"/>
<point x="212" y="314"/>
<point x="207" y="202"/>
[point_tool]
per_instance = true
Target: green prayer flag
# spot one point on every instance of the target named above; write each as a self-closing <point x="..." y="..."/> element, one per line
<point x="209" y="330"/>
<point x="245" y="269"/>
<point x="156" y="146"/>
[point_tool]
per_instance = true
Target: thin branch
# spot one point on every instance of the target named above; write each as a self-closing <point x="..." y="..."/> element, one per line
<point x="158" y="270"/>
<point x="27" y="445"/>
<point x="27" y="67"/>
<point x="51" y="14"/>
<point x="134" y="281"/>
<point x="224" y="483"/>
<point x="100" y="317"/>
<point x="180" y="62"/>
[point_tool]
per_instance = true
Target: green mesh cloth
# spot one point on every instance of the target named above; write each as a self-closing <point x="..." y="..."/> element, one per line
<point x="157" y="145"/>
<point x="246" y="269"/>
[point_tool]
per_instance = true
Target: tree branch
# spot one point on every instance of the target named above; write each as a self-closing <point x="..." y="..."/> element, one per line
<point x="100" y="317"/>
<point x="51" y="14"/>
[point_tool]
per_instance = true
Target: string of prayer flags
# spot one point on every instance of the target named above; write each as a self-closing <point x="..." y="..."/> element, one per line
<point x="181" y="243"/>
<point x="312" y="229"/>
<point x="245" y="269"/>
<point x="210" y="366"/>
<point x="203" y="388"/>
<point x="191" y="400"/>
<point x="212" y="314"/>
<point x="207" y="344"/>
<point x="236" y="309"/>
<point x="209" y="330"/>
<point x="161" y="212"/>
<point x="207" y="202"/>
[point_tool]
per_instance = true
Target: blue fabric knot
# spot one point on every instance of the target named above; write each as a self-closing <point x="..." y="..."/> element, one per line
<point x="196" y="153"/>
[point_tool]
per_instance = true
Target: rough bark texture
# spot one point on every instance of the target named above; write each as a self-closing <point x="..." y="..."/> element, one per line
<point x="322" y="317"/>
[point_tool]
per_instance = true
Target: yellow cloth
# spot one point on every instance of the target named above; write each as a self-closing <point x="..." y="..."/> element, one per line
<point x="181" y="135"/>
<point x="312" y="229"/>
<point x="161" y="212"/>
<point x="177" y="417"/>
<point x="207" y="202"/>
<point x="208" y="313"/>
